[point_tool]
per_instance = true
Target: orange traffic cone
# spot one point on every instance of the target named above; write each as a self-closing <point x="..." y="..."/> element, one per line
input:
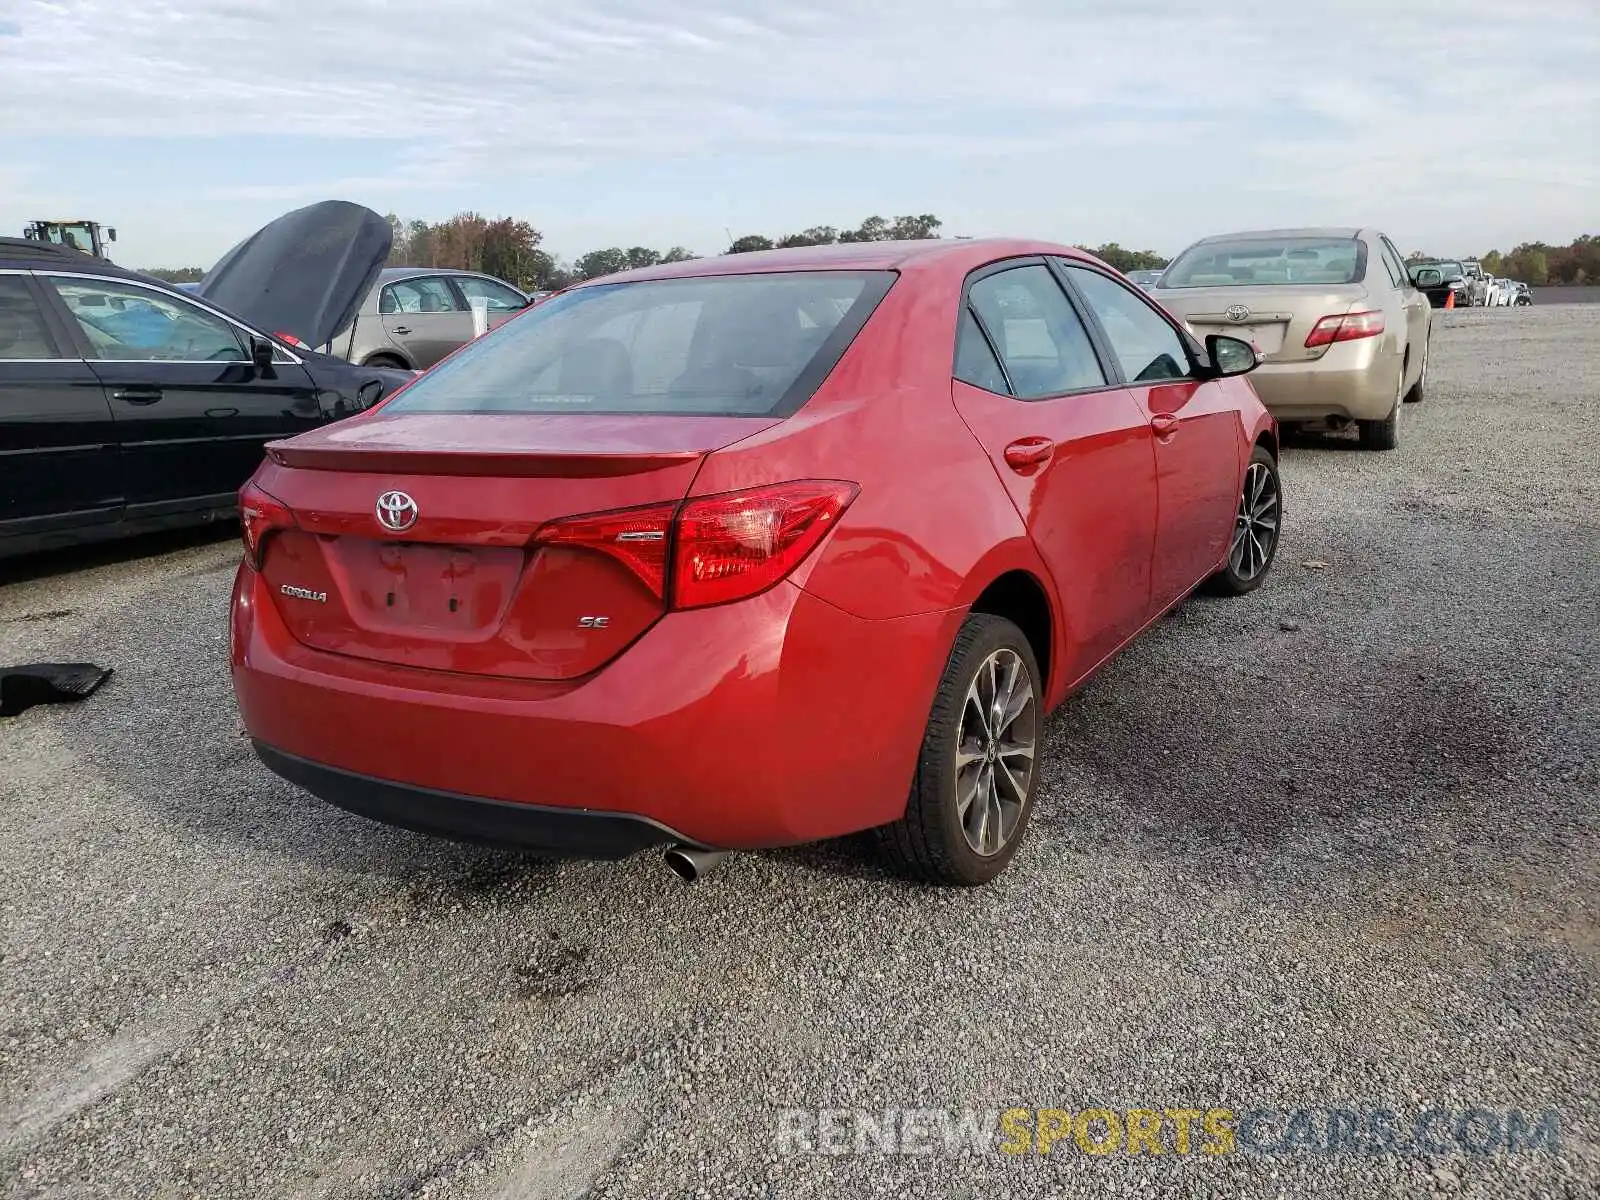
<point x="1450" y="298"/>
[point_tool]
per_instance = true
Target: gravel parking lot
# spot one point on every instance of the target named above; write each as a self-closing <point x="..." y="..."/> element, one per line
<point x="1333" y="845"/>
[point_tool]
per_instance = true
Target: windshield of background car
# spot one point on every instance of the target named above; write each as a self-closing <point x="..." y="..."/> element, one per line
<point x="732" y="345"/>
<point x="1253" y="262"/>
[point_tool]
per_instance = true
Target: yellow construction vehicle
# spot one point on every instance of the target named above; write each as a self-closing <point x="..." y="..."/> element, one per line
<point x="88" y="236"/>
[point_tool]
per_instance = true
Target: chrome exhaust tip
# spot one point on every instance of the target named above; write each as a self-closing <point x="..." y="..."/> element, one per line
<point x="688" y="863"/>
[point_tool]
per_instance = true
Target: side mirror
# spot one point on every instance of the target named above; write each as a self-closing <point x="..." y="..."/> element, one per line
<point x="261" y="353"/>
<point x="1230" y="355"/>
<point x="111" y="235"/>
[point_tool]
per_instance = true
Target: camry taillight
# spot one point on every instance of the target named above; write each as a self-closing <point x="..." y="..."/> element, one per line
<point x="260" y="513"/>
<point x="1345" y="327"/>
<point x="714" y="548"/>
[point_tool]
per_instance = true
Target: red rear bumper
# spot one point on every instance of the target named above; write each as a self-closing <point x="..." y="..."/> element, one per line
<point x="776" y="720"/>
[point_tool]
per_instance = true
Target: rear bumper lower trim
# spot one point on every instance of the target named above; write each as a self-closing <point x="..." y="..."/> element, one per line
<point x="560" y="832"/>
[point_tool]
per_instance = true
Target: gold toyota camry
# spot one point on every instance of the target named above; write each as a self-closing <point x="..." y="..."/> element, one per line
<point x="1341" y="331"/>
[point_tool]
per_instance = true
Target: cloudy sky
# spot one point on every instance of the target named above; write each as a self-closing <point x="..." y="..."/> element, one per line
<point x="1456" y="126"/>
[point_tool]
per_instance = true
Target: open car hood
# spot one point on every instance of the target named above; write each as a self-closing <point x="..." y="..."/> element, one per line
<point x="305" y="273"/>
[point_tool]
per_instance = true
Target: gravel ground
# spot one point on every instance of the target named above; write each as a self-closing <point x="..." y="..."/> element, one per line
<point x="1336" y="844"/>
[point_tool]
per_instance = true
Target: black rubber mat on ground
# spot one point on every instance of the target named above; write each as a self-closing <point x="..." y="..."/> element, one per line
<point x="47" y="683"/>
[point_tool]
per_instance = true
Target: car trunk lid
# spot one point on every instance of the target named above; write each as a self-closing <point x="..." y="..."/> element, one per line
<point x="1276" y="319"/>
<point x="476" y="578"/>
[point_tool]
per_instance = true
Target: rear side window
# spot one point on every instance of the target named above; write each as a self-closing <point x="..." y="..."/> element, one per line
<point x="1147" y="348"/>
<point x="1392" y="260"/>
<point x="975" y="360"/>
<point x="418" y="296"/>
<point x="1040" y="339"/>
<point x="22" y="329"/>
<point x="736" y="345"/>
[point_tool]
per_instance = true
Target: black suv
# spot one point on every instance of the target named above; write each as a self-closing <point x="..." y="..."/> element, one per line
<point x="1437" y="280"/>
<point x="128" y="404"/>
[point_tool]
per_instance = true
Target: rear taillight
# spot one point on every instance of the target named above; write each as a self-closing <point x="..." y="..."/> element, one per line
<point x="260" y="513"/>
<point x="741" y="543"/>
<point x="718" y="548"/>
<point x="1345" y="327"/>
<point x="635" y="537"/>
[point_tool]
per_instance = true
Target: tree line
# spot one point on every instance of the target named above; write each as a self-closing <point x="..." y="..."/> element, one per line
<point x="1539" y="264"/>
<point x="514" y="250"/>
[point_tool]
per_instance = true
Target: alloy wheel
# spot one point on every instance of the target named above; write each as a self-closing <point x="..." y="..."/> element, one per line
<point x="995" y="749"/>
<point x="1255" y="529"/>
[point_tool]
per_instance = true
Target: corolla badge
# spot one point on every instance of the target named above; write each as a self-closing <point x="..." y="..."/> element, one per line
<point x="396" y="511"/>
<point x="1237" y="312"/>
<point x="300" y="593"/>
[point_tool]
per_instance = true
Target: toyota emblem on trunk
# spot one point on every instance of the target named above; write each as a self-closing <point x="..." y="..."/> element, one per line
<point x="396" y="511"/>
<point x="1236" y="312"/>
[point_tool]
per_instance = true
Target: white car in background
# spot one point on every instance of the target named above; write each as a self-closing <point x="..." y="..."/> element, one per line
<point x="1499" y="293"/>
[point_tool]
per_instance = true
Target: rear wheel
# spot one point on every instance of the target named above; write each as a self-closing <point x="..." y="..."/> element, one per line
<point x="1384" y="434"/>
<point x="1419" y="389"/>
<point x="386" y="360"/>
<point x="973" y="790"/>
<point x="1255" y="528"/>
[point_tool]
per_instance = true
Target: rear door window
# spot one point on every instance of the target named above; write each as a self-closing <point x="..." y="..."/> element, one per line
<point x="426" y="295"/>
<point x="739" y="345"/>
<point x="23" y="333"/>
<point x="1041" y="341"/>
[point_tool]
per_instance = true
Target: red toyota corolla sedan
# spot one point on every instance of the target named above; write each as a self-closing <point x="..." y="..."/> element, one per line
<point x="748" y="551"/>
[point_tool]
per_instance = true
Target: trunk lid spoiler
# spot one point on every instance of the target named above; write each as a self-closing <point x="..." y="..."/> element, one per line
<point x="519" y="446"/>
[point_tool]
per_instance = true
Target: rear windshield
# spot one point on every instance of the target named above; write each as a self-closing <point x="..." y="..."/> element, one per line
<point x="1252" y="262"/>
<point x="735" y="345"/>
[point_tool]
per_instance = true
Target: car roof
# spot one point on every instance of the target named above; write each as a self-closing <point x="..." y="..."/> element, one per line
<point x="27" y="254"/>
<point x="955" y="253"/>
<point x="390" y="274"/>
<point x="1316" y="231"/>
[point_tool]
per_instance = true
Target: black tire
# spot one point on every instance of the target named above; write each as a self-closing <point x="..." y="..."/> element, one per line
<point x="1381" y="435"/>
<point x="1385" y="434"/>
<point x="1236" y="578"/>
<point x="929" y="843"/>
<point x="1419" y="389"/>
<point x="392" y="361"/>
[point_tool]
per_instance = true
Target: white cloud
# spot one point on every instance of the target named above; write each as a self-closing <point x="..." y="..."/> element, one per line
<point x="1375" y="105"/>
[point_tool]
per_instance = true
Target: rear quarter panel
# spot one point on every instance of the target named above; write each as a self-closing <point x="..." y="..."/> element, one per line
<point x="931" y="526"/>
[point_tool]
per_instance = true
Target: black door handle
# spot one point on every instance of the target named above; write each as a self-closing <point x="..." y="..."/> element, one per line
<point x="137" y="395"/>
